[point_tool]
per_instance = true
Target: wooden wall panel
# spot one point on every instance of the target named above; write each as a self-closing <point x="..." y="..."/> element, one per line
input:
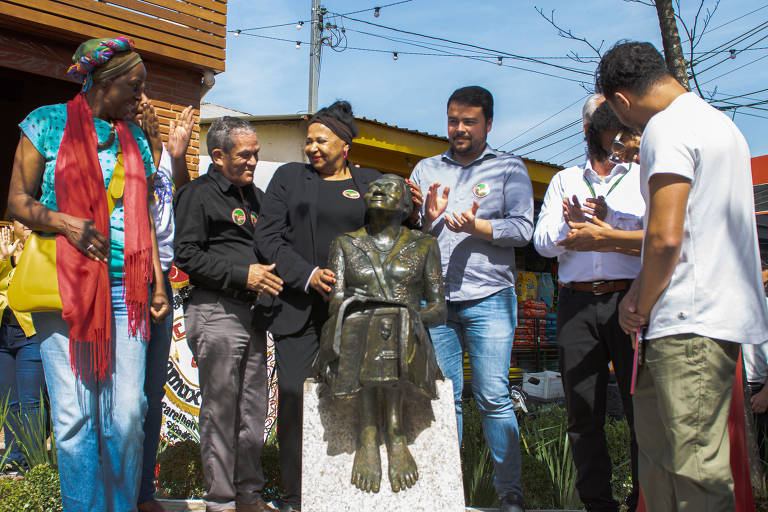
<point x="191" y="33"/>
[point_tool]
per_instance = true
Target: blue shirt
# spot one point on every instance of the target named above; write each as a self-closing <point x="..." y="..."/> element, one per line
<point x="474" y="268"/>
<point x="44" y="127"/>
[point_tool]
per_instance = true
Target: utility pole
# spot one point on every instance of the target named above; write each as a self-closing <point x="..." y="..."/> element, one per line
<point x="316" y="47"/>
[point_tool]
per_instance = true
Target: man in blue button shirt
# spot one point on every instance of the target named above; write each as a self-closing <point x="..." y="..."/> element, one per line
<point x="479" y="206"/>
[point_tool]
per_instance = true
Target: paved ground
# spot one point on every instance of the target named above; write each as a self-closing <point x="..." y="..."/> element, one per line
<point x="197" y="506"/>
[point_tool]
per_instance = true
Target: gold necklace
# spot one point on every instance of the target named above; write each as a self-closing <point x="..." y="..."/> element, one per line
<point x="100" y="146"/>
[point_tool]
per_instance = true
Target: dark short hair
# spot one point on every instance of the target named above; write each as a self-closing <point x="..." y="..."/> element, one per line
<point x="632" y="66"/>
<point x="222" y="131"/>
<point x="603" y="119"/>
<point x="341" y="111"/>
<point x="474" y="96"/>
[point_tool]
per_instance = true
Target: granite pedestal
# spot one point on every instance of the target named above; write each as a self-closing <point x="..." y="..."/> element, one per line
<point x="329" y="440"/>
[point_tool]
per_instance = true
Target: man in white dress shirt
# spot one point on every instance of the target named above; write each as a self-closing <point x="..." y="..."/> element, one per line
<point x="597" y="262"/>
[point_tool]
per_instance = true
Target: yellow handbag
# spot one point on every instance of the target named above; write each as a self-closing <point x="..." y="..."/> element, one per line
<point x="34" y="286"/>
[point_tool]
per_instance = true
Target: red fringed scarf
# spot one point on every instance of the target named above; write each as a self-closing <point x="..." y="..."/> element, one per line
<point x="84" y="283"/>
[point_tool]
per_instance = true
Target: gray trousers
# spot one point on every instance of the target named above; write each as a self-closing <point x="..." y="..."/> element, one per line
<point x="231" y="361"/>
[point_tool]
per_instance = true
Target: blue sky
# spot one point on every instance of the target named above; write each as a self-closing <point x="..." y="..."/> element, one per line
<point x="265" y="76"/>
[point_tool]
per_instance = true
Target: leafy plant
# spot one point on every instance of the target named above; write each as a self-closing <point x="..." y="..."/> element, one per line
<point x="545" y="438"/>
<point x="4" y="411"/>
<point x="32" y="434"/>
<point x="180" y="472"/>
<point x="38" y="491"/>
<point x="476" y="461"/>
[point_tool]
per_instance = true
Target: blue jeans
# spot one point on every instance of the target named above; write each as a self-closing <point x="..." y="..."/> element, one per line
<point x="98" y="425"/>
<point x="21" y="377"/>
<point x="154" y="387"/>
<point x="485" y="329"/>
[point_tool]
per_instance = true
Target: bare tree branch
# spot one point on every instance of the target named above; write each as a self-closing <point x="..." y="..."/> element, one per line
<point x="649" y="3"/>
<point x="568" y="34"/>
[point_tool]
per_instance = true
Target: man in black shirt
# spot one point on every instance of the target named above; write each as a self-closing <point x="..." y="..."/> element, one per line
<point x="215" y="218"/>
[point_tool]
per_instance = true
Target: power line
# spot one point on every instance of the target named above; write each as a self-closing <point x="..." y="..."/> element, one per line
<point x="544" y="121"/>
<point x="563" y="151"/>
<point x="734" y="19"/>
<point x="736" y="69"/>
<point x="745" y="95"/>
<point x="301" y="22"/>
<point x="733" y="55"/>
<point x="496" y="52"/>
<point x="580" y="155"/>
<point x="546" y="136"/>
<point x="558" y="141"/>
<point x="471" y="57"/>
<point x="739" y="112"/>
<point x="726" y="46"/>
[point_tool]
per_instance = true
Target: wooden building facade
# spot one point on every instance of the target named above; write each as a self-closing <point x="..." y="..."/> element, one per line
<point x="182" y="42"/>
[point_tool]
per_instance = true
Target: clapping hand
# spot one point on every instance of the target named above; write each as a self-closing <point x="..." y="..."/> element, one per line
<point x="596" y="208"/>
<point x="7" y="246"/>
<point x="179" y="132"/>
<point x="150" y="124"/>
<point x="418" y="201"/>
<point x="572" y="211"/>
<point x="463" y="222"/>
<point x="435" y="205"/>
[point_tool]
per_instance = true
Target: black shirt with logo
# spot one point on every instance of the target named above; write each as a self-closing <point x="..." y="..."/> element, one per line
<point x="215" y="221"/>
<point x="340" y="209"/>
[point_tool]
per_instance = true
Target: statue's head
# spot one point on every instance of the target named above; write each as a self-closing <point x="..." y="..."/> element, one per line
<point x="390" y="193"/>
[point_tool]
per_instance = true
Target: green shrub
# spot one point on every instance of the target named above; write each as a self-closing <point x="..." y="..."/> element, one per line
<point x="617" y="438"/>
<point x="32" y="433"/>
<point x="180" y="471"/>
<point x="476" y="461"/>
<point x="38" y="491"/>
<point x="544" y="438"/>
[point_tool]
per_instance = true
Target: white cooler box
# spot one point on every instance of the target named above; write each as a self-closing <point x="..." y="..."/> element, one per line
<point x="546" y="385"/>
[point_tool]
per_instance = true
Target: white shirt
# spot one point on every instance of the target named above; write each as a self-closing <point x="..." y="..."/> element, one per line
<point x="755" y="361"/>
<point x="621" y="189"/>
<point x="162" y="211"/>
<point x="716" y="289"/>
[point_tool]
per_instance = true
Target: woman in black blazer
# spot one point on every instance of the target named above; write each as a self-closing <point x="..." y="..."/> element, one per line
<point x="305" y="207"/>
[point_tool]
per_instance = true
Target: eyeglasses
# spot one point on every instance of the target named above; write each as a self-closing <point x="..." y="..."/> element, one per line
<point x="617" y="148"/>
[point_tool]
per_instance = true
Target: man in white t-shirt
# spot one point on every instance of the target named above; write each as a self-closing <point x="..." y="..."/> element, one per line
<point x="698" y="294"/>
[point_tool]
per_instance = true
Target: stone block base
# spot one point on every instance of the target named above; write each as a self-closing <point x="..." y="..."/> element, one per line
<point x="329" y="440"/>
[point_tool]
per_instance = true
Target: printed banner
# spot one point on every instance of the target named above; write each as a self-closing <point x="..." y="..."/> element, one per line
<point x="181" y="405"/>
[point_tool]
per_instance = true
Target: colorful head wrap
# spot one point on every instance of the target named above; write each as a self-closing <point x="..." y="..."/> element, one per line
<point x="94" y="59"/>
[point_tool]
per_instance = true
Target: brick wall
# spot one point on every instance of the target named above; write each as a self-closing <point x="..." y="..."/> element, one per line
<point x="169" y="87"/>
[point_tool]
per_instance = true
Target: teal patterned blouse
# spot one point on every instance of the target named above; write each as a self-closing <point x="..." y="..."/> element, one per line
<point x="44" y="127"/>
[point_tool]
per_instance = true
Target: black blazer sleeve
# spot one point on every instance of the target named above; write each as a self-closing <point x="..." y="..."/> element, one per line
<point x="274" y="225"/>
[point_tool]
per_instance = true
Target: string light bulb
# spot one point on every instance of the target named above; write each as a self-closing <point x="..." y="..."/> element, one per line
<point x="499" y="60"/>
<point x="298" y="45"/>
<point x="377" y="12"/>
<point x="394" y="55"/>
<point x="733" y="53"/>
<point x="299" y="25"/>
<point x="237" y="33"/>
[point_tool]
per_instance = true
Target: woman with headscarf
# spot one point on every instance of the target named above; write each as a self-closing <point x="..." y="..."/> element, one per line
<point x="305" y="207"/>
<point x="94" y="168"/>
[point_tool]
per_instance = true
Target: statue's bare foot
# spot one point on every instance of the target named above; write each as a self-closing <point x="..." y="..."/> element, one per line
<point x="366" y="470"/>
<point x="402" y="468"/>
